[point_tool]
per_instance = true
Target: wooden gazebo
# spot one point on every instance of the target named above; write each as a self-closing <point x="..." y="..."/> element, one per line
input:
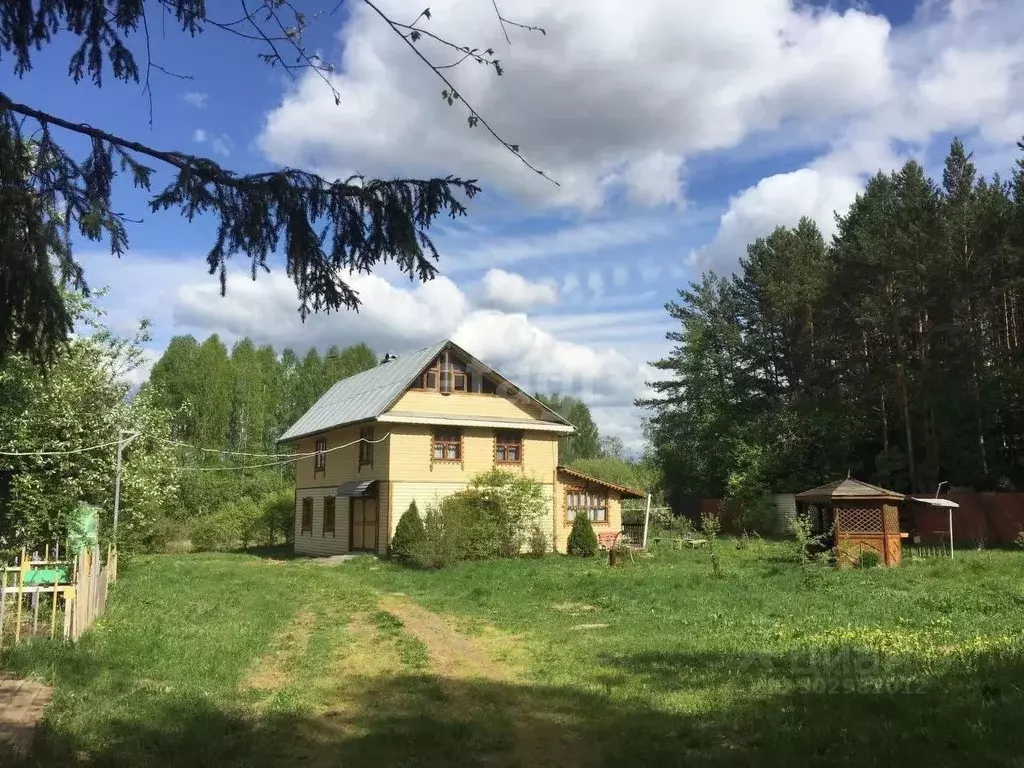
<point x="862" y="516"/>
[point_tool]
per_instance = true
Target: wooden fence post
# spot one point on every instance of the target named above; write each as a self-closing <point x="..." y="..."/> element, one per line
<point x="21" y="588"/>
<point x="53" y="608"/>
<point x="3" y="600"/>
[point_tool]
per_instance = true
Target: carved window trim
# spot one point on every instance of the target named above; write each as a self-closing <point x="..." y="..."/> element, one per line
<point x="508" y="442"/>
<point x="445" y="439"/>
<point x="589" y="496"/>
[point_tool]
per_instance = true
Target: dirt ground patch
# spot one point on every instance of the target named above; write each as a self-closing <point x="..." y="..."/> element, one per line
<point x="452" y="654"/>
<point x="457" y="658"/>
<point x="275" y="669"/>
<point x="22" y="703"/>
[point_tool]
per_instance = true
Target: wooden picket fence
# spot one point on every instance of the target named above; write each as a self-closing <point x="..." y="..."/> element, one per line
<point x="41" y="597"/>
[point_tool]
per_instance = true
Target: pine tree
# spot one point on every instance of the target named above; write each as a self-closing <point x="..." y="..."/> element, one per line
<point x="409" y="536"/>
<point x="323" y="228"/>
<point x="582" y="539"/>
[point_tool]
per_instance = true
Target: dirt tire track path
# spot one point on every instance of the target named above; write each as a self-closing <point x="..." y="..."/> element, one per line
<point x="456" y="658"/>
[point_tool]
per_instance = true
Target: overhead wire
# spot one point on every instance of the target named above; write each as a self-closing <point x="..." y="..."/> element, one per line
<point x="291" y="457"/>
<point x="60" y="453"/>
<point x="292" y="460"/>
<point x="221" y="451"/>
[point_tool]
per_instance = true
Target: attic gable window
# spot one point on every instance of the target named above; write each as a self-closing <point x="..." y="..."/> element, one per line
<point x="457" y="376"/>
<point x="428" y="380"/>
<point x="447" y="446"/>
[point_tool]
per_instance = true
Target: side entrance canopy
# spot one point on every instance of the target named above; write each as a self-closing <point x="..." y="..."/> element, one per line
<point x="357" y="489"/>
<point x="863" y="517"/>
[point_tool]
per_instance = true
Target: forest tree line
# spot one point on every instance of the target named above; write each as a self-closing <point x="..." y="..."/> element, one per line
<point x="892" y="353"/>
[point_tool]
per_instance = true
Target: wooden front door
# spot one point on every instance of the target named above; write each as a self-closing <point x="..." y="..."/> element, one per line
<point x="363" y="525"/>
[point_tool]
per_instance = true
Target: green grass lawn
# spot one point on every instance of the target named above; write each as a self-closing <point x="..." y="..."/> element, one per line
<point x="244" y="660"/>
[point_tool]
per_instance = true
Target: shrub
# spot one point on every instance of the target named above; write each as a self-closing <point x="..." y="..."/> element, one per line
<point x="438" y="549"/>
<point x="1019" y="539"/>
<point x="869" y="559"/>
<point x="582" y="539"/>
<point x="168" y="535"/>
<point x="409" y="535"/>
<point x="538" y="541"/>
<point x="277" y="518"/>
<point x="710" y="525"/>
<point x="514" y="502"/>
<point x="474" y="525"/>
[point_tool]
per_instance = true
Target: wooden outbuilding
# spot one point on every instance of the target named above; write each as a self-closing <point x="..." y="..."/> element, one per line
<point x="862" y="517"/>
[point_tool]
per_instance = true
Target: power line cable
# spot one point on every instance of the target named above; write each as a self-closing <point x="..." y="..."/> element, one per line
<point x="291" y="460"/>
<point x="59" y="453"/>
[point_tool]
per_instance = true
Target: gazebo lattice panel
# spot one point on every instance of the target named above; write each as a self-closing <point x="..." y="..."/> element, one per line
<point x="850" y="519"/>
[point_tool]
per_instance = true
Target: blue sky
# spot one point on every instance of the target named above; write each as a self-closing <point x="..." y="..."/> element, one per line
<point x="679" y="130"/>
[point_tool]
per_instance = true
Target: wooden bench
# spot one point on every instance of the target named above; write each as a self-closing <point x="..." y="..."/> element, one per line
<point x="678" y="543"/>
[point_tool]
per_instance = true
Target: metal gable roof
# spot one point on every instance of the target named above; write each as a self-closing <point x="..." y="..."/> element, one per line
<point x="369" y="394"/>
<point x="365" y="395"/>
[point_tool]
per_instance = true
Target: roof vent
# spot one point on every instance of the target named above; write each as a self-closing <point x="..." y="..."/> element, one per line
<point x="388" y="357"/>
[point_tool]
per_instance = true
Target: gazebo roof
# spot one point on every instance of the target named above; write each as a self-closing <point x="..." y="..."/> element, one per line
<point x="848" y="489"/>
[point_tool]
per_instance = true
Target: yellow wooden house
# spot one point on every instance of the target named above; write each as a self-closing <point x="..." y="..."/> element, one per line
<point x="419" y="427"/>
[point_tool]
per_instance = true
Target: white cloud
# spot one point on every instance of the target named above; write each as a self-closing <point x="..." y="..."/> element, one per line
<point x="620" y="276"/>
<point x="468" y="251"/>
<point x="654" y="179"/>
<point x="960" y="68"/>
<point x="612" y="96"/>
<point x="220" y="144"/>
<point x="510" y="291"/>
<point x="404" y="318"/>
<point x="196" y="99"/>
<point x="778" y="200"/>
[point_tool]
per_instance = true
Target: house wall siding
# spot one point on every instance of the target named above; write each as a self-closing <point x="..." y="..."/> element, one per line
<point x="465" y="404"/>
<point x="342" y="464"/>
<point x="562" y="528"/>
<point x="405" y="469"/>
<point x="316" y="543"/>
<point x="411" y="448"/>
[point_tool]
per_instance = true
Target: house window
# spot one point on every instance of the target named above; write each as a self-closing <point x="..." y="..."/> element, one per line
<point x="508" y="447"/>
<point x="592" y="503"/>
<point x="320" y="458"/>
<point x="366" y="447"/>
<point x="488" y="387"/>
<point x="307" y="516"/>
<point x="429" y="378"/>
<point x="447" y="446"/>
<point x="329" y="502"/>
<point x="455" y="375"/>
<point x="460" y="381"/>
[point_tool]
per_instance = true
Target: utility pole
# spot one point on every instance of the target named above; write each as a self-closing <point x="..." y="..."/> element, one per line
<point x="647" y="522"/>
<point x="950" y="511"/>
<point x="124" y="437"/>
